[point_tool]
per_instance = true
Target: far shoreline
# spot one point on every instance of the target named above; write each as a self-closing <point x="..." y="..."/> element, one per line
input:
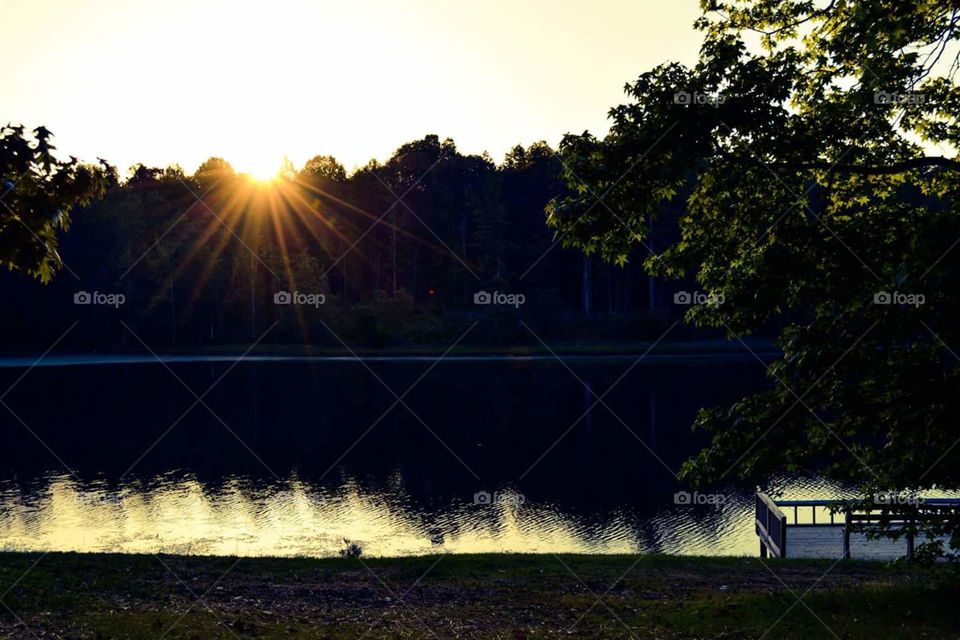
<point x="680" y="351"/>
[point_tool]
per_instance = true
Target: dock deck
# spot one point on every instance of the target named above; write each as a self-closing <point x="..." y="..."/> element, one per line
<point x="828" y="529"/>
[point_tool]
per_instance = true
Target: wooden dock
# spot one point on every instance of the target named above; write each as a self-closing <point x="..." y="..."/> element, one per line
<point x="830" y="529"/>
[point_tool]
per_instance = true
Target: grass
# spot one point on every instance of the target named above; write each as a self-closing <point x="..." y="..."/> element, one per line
<point x="487" y="596"/>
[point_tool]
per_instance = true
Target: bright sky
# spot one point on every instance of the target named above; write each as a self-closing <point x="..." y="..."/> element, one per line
<point x="178" y="81"/>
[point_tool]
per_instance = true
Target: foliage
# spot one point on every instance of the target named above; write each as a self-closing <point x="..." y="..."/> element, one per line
<point x="325" y="167"/>
<point x="397" y="248"/>
<point x="38" y="192"/>
<point x="810" y="148"/>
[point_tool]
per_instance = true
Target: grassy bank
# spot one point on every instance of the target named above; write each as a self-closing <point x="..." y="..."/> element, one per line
<point x="471" y="596"/>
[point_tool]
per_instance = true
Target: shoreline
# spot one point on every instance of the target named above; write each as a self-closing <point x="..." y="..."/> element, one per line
<point x="483" y="596"/>
<point x="649" y="352"/>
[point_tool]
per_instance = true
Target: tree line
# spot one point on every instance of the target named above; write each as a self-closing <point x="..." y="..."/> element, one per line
<point x="397" y="250"/>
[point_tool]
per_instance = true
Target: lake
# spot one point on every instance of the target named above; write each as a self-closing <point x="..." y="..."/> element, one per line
<point x="288" y="456"/>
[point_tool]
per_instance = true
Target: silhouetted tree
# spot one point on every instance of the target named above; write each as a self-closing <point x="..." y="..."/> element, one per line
<point x="38" y="192"/>
<point x="815" y="205"/>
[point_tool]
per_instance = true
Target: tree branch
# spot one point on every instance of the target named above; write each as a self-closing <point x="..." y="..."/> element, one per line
<point x="861" y="169"/>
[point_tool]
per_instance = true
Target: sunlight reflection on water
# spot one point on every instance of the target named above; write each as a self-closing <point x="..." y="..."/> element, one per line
<point x="204" y="489"/>
<point x="178" y="514"/>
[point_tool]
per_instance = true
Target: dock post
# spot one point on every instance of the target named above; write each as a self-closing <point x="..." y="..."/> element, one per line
<point x="783" y="537"/>
<point x="846" y="534"/>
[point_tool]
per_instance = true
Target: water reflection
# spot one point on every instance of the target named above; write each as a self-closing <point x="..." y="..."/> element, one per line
<point x="285" y="461"/>
<point x="179" y="514"/>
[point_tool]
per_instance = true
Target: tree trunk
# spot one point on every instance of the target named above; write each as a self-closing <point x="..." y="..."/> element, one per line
<point x="253" y="298"/>
<point x="625" y="296"/>
<point x="173" y="316"/>
<point x="611" y="303"/>
<point x="587" y="293"/>
<point x="393" y="242"/>
<point x="413" y="275"/>
<point x="651" y="282"/>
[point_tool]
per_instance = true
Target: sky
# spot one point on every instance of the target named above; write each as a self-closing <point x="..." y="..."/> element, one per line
<point x="179" y="81"/>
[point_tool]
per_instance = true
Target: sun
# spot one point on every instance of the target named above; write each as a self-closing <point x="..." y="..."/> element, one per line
<point x="260" y="167"/>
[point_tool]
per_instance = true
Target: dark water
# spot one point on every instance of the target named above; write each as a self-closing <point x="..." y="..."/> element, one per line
<point x="297" y="458"/>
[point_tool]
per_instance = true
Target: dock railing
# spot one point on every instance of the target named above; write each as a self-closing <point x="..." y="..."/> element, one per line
<point x="908" y="518"/>
<point x="771" y="527"/>
<point x="772" y="522"/>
